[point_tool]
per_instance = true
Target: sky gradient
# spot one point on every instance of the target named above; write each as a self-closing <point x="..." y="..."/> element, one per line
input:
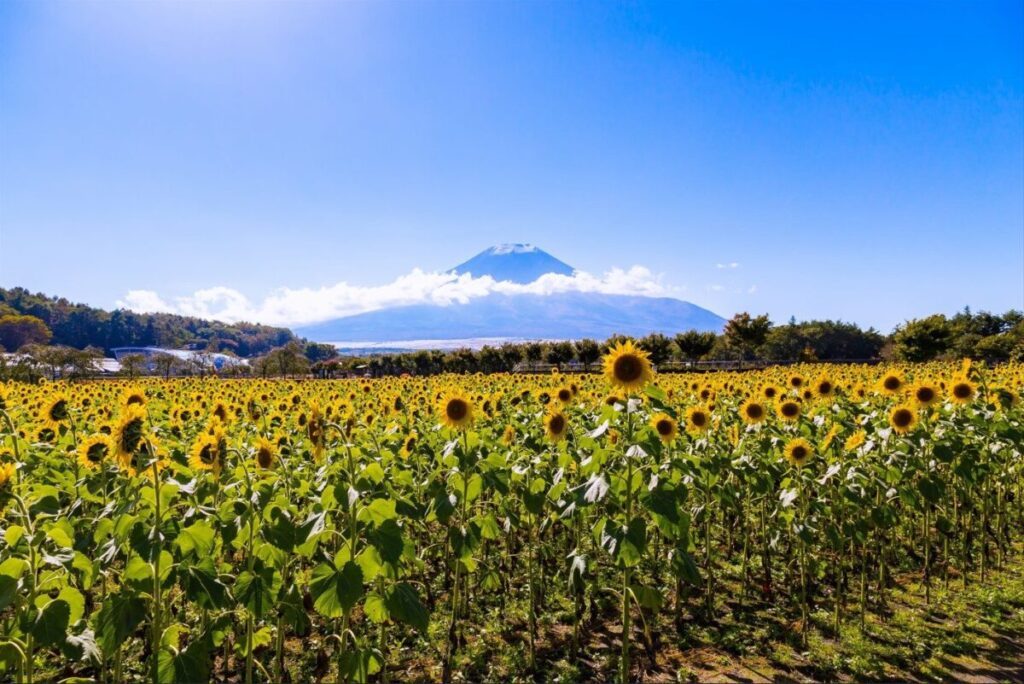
<point x="859" y="161"/>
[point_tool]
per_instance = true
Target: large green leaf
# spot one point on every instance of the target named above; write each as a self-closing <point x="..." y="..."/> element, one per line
<point x="202" y="586"/>
<point x="75" y="601"/>
<point x="405" y="606"/>
<point x="187" y="666"/>
<point x="198" y="538"/>
<point x="387" y="539"/>
<point x="378" y="511"/>
<point x="336" y="591"/>
<point x="51" y="624"/>
<point x="256" y="589"/>
<point x="117" y="620"/>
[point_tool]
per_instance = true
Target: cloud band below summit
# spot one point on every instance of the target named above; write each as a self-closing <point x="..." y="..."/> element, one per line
<point x="287" y="306"/>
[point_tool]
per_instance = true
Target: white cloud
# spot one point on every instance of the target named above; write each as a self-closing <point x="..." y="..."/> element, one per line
<point x="287" y="306"/>
<point x="752" y="289"/>
<point x="730" y="265"/>
<point x="715" y="288"/>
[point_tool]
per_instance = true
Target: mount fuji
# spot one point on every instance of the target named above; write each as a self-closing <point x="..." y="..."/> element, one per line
<point x="556" y="316"/>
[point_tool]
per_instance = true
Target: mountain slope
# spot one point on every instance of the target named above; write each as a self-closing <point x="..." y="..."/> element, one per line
<point x="568" y="315"/>
<point x="518" y="263"/>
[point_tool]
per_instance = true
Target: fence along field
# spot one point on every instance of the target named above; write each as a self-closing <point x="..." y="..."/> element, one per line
<point x="274" y="530"/>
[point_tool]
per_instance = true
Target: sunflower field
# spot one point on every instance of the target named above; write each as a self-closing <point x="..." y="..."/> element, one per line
<point x="480" y="527"/>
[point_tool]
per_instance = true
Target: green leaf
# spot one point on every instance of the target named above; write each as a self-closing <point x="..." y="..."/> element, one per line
<point x="684" y="567"/>
<point x="443" y="507"/>
<point x="656" y="393"/>
<point x="60" y="537"/>
<point x="489" y="528"/>
<point x="197" y="538"/>
<point x="202" y="586"/>
<point x="117" y="620"/>
<point x="357" y="665"/>
<point x="378" y="511"/>
<point x="648" y="597"/>
<point x="376" y="609"/>
<point x="387" y="539"/>
<point x="256" y="590"/>
<point x="625" y="544"/>
<point x="474" y="487"/>
<point x="13" y="568"/>
<point x="51" y="624"/>
<point x="405" y="606"/>
<point x="86" y="569"/>
<point x="336" y="591"/>
<point x="373" y="472"/>
<point x="139" y="573"/>
<point x="75" y="601"/>
<point x="370" y="563"/>
<point x="930" y="489"/>
<point x="189" y="665"/>
<point x="13" y="534"/>
<point x="8" y="590"/>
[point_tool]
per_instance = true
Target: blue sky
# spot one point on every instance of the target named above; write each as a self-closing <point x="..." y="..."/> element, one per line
<point x="862" y="161"/>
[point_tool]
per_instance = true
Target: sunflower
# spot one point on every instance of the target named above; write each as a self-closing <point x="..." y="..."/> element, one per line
<point x="1004" y="398"/>
<point x="788" y="410"/>
<point x="627" y="366"/>
<point x="855" y="441"/>
<point x="924" y="394"/>
<point x="753" y="411"/>
<point x="565" y="395"/>
<point x="129" y="431"/>
<point x="962" y="391"/>
<point x="94" y="450"/>
<point x="508" y="435"/>
<point x="666" y="427"/>
<point x="6" y="474"/>
<point x="316" y="430"/>
<point x="798" y="451"/>
<point x="133" y="395"/>
<point x="409" y="444"/>
<point x="698" y="419"/>
<point x="902" y="418"/>
<point x="826" y="441"/>
<point x="824" y="387"/>
<point x="264" y="453"/>
<point x="455" y="409"/>
<point x="769" y="391"/>
<point x="150" y="454"/>
<point x="205" y="453"/>
<point x="55" y="412"/>
<point x="891" y="383"/>
<point x="556" y="425"/>
<point x="221" y="412"/>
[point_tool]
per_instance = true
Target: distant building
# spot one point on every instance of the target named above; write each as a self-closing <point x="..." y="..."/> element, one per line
<point x="217" y="360"/>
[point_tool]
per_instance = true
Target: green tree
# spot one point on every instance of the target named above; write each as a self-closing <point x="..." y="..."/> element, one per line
<point x="133" y="365"/>
<point x="746" y="333"/>
<point x="559" y="353"/>
<point x="657" y="346"/>
<point x="922" y="339"/>
<point x="694" y="345"/>
<point x="534" y="352"/>
<point x="16" y="331"/>
<point x="587" y="351"/>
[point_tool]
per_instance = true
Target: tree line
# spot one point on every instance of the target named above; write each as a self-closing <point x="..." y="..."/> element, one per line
<point x="61" y="338"/>
<point x="27" y="318"/>
<point x="984" y="335"/>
